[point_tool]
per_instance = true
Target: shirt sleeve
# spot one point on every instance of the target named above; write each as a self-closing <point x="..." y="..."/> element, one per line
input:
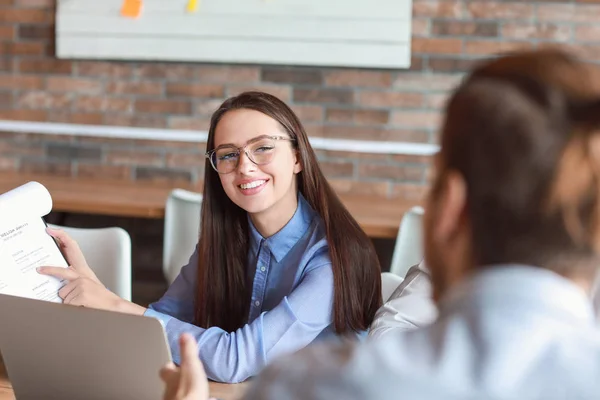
<point x="410" y="306"/>
<point x="235" y="356"/>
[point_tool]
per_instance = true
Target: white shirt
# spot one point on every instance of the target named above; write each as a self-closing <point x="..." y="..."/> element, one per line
<point x="511" y="332"/>
<point x="411" y="306"/>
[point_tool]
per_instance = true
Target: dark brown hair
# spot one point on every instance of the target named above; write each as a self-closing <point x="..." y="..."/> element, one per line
<point x="222" y="295"/>
<point x="523" y="131"/>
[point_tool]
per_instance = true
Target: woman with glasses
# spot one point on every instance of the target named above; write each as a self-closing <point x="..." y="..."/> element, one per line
<point x="280" y="262"/>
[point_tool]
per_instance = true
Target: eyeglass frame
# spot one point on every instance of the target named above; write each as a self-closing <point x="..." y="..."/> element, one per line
<point x="239" y="150"/>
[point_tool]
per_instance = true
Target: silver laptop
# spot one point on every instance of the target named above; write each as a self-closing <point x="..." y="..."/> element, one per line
<point x="56" y="351"/>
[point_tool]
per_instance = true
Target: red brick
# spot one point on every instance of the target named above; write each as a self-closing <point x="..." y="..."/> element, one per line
<point x="417" y="63"/>
<point x="416" y="119"/>
<point x="45" y="66"/>
<point x="370" y="133"/>
<point x="390" y="99"/>
<point x="74" y="85"/>
<point x="77" y="118"/>
<point x="25" y="16"/>
<point x="22" y="149"/>
<point x="358" y="117"/>
<point x="136" y="88"/>
<point x="438" y="8"/>
<point x="7" y="32"/>
<point x="22" y="82"/>
<point x="392" y="172"/>
<point x="358" y="78"/>
<point x="436" y="101"/>
<point x="354" y="155"/>
<point x="283" y="92"/>
<point x="117" y="172"/>
<point x="189" y="123"/>
<point x="228" y="74"/>
<point x="155" y="174"/>
<point x="134" y="157"/>
<point x="426" y="82"/>
<point x="22" y="48"/>
<point x="8" y="163"/>
<point x="137" y="120"/>
<point x="297" y="75"/>
<point x="36" y="3"/>
<point x="499" y="10"/>
<point x="587" y="33"/>
<point x="36" y="32"/>
<point x="464" y="28"/>
<point x="163" y="106"/>
<point x="436" y="45"/>
<point x="308" y="113"/>
<point x="411" y="159"/>
<point x="207" y="106"/>
<point x="5" y="3"/>
<point x="195" y="90"/>
<point x="410" y="191"/>
<point x="324" y="95"/>
<point x="46" y="167"/>
<point x="177" y="72"/>
<point x="482" y="47"/>
<point x="43" y="100"/>
<point x="544" y="31"/>
<point x="103" y="103"/>
<point x="338" y="169"/>
<point x="24" y="115"/>
<point x="5" y="99"/>
<point x="450" y="64"/>
<point x="6" y="64"/>
<point x="350" y="186"/>
<point x="104" y="69"/>
<point x="185" y="160"/>
<point x="420" y="27"/>
<point x="570" y="13"/>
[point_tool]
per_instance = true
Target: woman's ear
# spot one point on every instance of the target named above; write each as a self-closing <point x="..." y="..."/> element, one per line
<point x="297" y="162"/>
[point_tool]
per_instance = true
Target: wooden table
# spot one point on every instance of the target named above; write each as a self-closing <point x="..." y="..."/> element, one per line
<point x="379" y="217"/>
<point x="217" y="390"/>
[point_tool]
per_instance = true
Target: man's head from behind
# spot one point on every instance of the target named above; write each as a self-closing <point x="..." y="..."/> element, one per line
<point x="518" y="174"/>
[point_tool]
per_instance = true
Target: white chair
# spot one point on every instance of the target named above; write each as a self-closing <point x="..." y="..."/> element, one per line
<point x="181" y="230"/>
<point x="408" y="250"/>
<point x="389" y="283"/>
<point x="108" y="253"/>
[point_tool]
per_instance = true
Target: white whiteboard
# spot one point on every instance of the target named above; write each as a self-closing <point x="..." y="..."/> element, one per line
<point x="342" y="33"/>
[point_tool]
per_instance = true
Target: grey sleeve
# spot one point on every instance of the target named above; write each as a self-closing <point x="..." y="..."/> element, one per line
<point x="411" y="305"/>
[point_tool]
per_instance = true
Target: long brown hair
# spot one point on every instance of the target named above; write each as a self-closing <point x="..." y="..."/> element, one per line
<point x="524" y="132"/>
<point x="222" y="293"/>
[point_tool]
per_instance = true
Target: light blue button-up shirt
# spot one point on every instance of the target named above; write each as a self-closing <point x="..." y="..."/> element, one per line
<point x="291" y="306"/>
<point x="511" y="332"/>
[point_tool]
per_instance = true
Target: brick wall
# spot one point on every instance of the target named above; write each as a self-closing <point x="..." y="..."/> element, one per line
<point x="448" y="36"/>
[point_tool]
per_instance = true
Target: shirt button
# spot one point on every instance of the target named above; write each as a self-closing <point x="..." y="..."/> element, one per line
<point x="262" y="268"/>
<point x="257" y="303"/>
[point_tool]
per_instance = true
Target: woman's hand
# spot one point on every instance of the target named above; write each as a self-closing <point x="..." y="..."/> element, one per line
<point x="83" y="287"/>
<point x="188" y="382"/>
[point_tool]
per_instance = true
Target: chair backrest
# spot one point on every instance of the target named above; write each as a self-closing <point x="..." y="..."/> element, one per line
<point x="408" y="250"/>
<point x="108" y="253"/>
<point x="389" y="283"/>
<point x="182" y="230"/>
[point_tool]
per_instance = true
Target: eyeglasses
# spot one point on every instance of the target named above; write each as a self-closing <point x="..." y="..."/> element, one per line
<point x="260" y="151"/>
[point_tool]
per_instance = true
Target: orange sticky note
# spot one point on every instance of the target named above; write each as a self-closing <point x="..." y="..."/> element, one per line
<point x="192" y="6"/>
<point x="131" y="8"/>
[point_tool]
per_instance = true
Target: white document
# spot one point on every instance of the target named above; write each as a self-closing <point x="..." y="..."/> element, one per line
<point x="25" y="245"/>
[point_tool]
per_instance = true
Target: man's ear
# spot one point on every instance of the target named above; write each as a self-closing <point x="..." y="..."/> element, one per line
<point x="297" y="162"/>
<point x="451" y="205"/>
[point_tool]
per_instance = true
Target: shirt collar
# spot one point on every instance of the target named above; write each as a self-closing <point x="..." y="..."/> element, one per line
<point x="287" y="237"/>
<point x="529" y="286"/>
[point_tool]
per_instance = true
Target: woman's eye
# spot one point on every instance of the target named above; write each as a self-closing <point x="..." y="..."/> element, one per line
<point x="263" y="149"/>
<point x="228" y="156"/>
